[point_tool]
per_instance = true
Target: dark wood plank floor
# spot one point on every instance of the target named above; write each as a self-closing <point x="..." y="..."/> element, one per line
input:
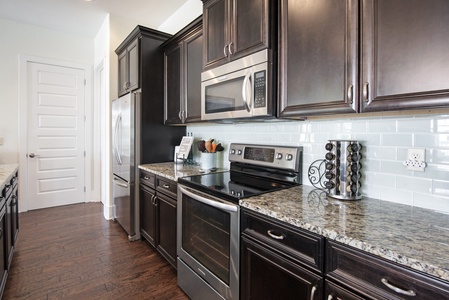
<point x="72" y="252"/>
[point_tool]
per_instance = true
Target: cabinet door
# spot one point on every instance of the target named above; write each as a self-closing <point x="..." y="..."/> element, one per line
<point x="8" y="232"/>
<point x="267" y="275"/>
<point x="148" y="214"/>
<point x="193" y="66"/>
<point x="122" y="73"/>
<point x="166" y="208"/>
<point x="405" y="62"/>
<point x="14" y="215"/>
<point x="172" y="82"/>
<point x="216" y="32"/>
<point x="318" y="57"/>
<point x="133" y="65"/>
<point x="3" y="250"/>
<point x="250" y="27"/>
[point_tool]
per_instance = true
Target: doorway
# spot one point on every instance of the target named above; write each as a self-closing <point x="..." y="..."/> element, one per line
<point x="53" y="136"/>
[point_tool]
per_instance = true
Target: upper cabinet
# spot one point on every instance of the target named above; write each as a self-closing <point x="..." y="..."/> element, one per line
<point x="317" y="57"/>
<point x="183" y="64"/>
<point x="235" y="28"/>
<point x="134" y="53"/>
<point x="405" y="54"/>
<point x="401" y="64"/>
<point x="128" y="68"/>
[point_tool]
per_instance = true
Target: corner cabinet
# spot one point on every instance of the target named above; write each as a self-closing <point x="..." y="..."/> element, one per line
<point x="183" y="64"/>
<point x="330" y="64"/>
<point x="236" y="28"/>
<point x="278" y="261"/>
<point x="158" y="204"/>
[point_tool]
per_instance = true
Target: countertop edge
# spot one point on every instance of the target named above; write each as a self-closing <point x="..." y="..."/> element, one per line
<point x="7" y="171"/>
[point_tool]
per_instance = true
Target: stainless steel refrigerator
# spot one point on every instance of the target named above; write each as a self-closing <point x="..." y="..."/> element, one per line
<point x="126" y="159"/>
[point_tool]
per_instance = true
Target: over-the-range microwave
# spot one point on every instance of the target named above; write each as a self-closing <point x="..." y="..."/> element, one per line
<point x="241" y="89"/>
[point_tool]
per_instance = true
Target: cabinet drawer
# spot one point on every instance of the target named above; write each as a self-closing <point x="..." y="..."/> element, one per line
<point x="166" y="186"/>
<point x="305" y="247"/>
<point x="148" y="179"/>
<point x="376" y="278"/>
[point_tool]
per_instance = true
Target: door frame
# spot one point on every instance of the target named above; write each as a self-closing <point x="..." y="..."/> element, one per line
<point x="23" y="124"/>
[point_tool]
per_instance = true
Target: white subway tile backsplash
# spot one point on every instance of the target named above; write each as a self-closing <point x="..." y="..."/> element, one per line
<point x="385" y="141"/>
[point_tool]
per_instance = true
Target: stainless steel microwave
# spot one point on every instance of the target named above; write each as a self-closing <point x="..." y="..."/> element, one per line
<point x="240" y="89"/>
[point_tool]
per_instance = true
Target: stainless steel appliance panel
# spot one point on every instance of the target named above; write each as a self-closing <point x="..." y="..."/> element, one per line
<point x="124" y="204"/>
<point x="208" y="242"/>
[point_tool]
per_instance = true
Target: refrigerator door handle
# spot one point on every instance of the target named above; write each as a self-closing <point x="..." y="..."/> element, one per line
<point x="117" y="153"/>
<point x="120" y="183"/>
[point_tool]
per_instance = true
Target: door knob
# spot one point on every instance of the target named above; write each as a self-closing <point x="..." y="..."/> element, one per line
<point x="32" y="155"/>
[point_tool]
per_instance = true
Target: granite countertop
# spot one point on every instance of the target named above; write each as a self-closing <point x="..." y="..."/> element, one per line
<point x="173" y="171"/>
<point x="411" y="236"/>
<point x="6" y="173"/>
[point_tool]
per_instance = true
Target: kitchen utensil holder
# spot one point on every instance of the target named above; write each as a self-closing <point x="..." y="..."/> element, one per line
<point x="208" y="160"/>
<point x="343" y="169"/>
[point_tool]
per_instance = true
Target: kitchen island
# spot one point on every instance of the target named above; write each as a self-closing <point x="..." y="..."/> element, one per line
<point x="410" y="236"/>
<point x="7" y="171"/>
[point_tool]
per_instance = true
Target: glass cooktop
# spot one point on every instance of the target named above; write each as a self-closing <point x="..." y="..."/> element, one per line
<point x="233" y="186"/>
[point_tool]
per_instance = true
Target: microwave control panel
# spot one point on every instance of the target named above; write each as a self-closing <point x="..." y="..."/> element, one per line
<point x="260" y="89"/>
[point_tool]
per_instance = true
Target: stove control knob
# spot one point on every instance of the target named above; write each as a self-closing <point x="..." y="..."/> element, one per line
<point x="279" y="155"/>
<point x="289" y="157"/>
<point x="239" y="152"/>
<point x="232" y="151"/>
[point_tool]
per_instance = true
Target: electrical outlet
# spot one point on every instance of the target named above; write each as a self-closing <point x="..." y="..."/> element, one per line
<point x="416" y="160"/>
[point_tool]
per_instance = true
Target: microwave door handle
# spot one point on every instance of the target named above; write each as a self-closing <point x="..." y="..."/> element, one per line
<point x="244" y="94"/>
<point x="216" y="204"/>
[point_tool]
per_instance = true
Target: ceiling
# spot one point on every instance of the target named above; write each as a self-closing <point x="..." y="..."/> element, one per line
<point x="85" y="18"/>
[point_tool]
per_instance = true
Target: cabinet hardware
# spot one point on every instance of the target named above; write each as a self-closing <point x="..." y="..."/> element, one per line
<point x="312" y="294"/>
<point x="330" y="297"/>
<point x="179" y="115"/>
<point x="396" y="289"/>
<point x="146" y="177"/>
<point x="166" y="186"/>
<point x="224" y="51"/>
<point x="350" y="94"/>
<point x="275" y="236"/>
<point x="366" y="92"/>
<point x="230" y="49"/>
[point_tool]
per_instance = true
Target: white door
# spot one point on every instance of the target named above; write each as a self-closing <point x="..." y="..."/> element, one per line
<point x="55" y="135"/>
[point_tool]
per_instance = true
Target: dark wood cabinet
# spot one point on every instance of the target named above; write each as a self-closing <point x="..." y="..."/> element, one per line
<point x="404" y="54"/>
<point x="318" y="57"/>
<point x="236" y="28"/>
<point x="128" y="68"/>
<point x="278" y="261"/>
<point x="183" y="64"/>
<point x="158" y="216"/>
<point x="9" y="226"/>
<point x="330" y="64"/>
<point x="352" y="272"/>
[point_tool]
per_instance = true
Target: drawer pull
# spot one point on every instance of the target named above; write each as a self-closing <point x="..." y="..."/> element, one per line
<point x="331" y="297"/>
<point x="166" y="186"/>
<point x="396" y="289"/>
<point x="275" y="236"/>
<point x="146" y="177"/>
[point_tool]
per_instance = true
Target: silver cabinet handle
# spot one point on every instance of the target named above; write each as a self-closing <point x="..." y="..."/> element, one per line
<point x="312" y="294"/>
<point x="230" y="49"/>
<point x="32" y="155"/>
<point x="224" y="51"/>
<point x="366" y="92"/>
<point x="166" y="186"/>
<point x="146" y="177"/>
<point x="396" y="289"/>
<point x="275" y="236"/>
<point x="330" y="297"/>
<point x="350" y="94"/>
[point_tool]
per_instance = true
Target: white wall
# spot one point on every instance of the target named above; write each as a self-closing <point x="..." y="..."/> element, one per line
<point x="23" y="39"/>
<point x="385" y="139"/>
<point x="183" y="16"/>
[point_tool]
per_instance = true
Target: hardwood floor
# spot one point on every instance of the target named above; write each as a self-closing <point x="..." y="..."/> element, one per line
<point x="72" y="252"/>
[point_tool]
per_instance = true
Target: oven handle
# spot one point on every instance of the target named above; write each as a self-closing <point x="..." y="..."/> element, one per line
<point x="216" y="204"/>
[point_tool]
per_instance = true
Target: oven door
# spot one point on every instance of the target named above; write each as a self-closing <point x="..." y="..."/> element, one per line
<point x="208" y="246"/>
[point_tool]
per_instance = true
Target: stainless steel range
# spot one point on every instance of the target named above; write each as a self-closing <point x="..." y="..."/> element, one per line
<point x="209" y="215"/>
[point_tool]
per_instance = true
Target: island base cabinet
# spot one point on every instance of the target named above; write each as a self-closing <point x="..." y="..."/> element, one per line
<point x="267" y="275"/>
